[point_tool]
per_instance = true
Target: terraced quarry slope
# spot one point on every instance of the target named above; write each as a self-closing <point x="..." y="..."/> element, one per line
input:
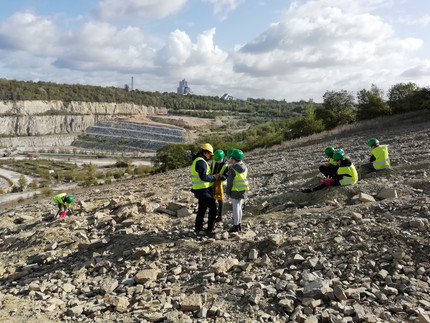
<point x="118" y="134"/>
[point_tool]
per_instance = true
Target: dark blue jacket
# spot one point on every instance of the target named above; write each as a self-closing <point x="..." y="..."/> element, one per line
<point x="201" y="168"/>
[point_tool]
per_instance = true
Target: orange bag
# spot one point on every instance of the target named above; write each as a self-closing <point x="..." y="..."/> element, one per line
<point x="218" y="191"/>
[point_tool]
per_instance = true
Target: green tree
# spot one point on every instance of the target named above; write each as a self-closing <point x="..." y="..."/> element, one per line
<point x="172" y="156"/>
<point x="337" y="109"/>
<point x="90" y="178"/>
<point x="371" y="103"/>
<point x="22" y="182"/>
<point x="305" y="125"/>
<point x="420" y="99"/>
<point x="400" y="97"/>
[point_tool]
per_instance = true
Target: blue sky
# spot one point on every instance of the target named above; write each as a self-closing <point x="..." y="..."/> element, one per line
<point x="269" y="49"/>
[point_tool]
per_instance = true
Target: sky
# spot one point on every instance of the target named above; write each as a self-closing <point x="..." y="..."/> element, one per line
<point x="271" y="49"/>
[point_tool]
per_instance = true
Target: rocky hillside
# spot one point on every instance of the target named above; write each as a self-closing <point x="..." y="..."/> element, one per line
<point x="128" y="253"/>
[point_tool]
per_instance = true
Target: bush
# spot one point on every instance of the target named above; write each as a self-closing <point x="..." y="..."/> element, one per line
<point x="47" y="191"/>
<point x="142" y="170"/>
<point x="16" y="189"/>
<point x="119" y="174"/>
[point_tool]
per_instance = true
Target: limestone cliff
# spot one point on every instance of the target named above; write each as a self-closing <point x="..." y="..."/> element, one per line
<point x="30" y="118"/>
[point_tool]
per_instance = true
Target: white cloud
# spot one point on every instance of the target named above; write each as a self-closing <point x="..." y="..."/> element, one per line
<point x="201" y="60"/>
<point x="124" y="9"/>
<point x="316" y="45"/>
<point x="26" y="32"/>
<point x="423" y="69"/>
<point x="419" y="21"/>
<point x="101" y="46"/>
<point x="317" y="40"/>
<point x="223" y="7"/>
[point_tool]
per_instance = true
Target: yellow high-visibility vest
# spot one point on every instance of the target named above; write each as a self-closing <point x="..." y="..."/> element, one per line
<point x="58" y="199"/>
<point x="348" y="170"/>
<point x="240" y="183"/>
<point x="381" y="154"/>
<point x="197" y="182"/>
<point x="224" y="166"/>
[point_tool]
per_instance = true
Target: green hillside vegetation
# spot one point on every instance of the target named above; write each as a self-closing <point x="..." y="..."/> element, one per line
<point x="338" y="108"/>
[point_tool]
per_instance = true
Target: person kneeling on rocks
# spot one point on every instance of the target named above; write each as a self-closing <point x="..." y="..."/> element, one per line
<point x="346" y="174"/>
<point x="237" y="187"/>
<point x="63" y="202"/>
<point x="329" y="169"/>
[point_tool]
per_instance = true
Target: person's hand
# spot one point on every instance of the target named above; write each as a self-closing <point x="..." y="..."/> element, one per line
<point x="328" y="181"/>
<point x="217" y="176"/>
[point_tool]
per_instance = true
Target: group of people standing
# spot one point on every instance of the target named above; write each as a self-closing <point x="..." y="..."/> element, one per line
<point x="340" y="171"/>
<point x="226" y="176"/>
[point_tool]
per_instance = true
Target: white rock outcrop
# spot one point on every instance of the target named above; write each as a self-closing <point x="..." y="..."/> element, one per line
<point x="38" y="118"/>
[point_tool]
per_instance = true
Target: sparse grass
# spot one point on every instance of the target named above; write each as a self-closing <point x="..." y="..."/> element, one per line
<point x="47" y="191"/>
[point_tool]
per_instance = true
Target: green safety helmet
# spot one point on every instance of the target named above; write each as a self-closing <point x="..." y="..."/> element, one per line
<point x="338" y="155"/>
<point x="230" y="152"/>
<point x="69" y="199"/>
<point x="328" y="151"/>
<point x="218" y="155"/>
<point x="237" y="154"/>
<point x="373" y="142"/>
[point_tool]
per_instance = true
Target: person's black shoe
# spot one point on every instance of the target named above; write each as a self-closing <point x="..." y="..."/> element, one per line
<point x="239" y="227"/>
<point x="234" y="228"/>
<point x="306" y="190"/>
<point x="209" y="233"/>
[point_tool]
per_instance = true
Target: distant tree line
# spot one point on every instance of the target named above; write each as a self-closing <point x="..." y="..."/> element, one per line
<point x="271" y="121"/>
<point x="191" y="105"/>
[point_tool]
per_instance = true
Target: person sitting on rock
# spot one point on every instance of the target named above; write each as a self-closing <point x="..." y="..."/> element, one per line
<point x="64" y="202"/>
<point x="346" y="173"/>
<point x="237" y="187"/>
<point x="379" y="157"/>
<point x="219" y="166"/>
<point x="329" y="169"/>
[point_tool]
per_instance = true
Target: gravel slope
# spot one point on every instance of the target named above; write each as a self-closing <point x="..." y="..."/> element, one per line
<point x="128" y="252"/>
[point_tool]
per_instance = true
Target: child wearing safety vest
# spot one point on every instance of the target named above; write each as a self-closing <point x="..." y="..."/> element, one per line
<point x="237" y="187"/>
<point x="346" y="174"/>
<point x="379" y="157"/>
<point x="63" y="201"/>
<point x="219" y="166"/>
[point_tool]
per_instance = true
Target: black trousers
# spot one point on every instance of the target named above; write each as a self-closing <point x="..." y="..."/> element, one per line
<point x="204" y="204"/>
<point x="61" y="207"/>
<point x="220" y="208"/>
<point x="328" y="171"/>
<point x="369" y="168"/>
